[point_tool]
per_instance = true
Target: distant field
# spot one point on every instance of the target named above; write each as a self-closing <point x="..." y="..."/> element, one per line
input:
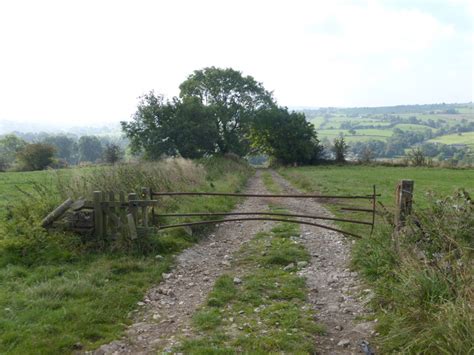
<point x="466" y="138"/>
<point x="361" y="134"/>
<point x="329" y="126"/>
<point x="412" y="127"/>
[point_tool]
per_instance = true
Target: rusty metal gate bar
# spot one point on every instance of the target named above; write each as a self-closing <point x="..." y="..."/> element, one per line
<point x="366" y="197"/>
<point x="257" y="219"/>
<point x="197" y="214"/>
<point x="208" y="214"/>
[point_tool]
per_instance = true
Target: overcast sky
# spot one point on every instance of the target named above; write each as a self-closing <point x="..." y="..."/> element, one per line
<point x="86" y="62"/>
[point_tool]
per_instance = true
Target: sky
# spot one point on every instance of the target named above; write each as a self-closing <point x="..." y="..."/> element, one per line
<point x="86" y="62"/>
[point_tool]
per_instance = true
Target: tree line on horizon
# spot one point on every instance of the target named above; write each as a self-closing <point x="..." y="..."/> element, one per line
<point x="38" y="151"/>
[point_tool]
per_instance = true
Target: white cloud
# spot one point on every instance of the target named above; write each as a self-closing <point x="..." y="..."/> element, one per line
<point x="89" y="60"/>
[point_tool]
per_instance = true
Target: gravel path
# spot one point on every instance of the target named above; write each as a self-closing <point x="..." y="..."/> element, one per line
<point x="335" y="291"/>
<point x="166" y="310"/>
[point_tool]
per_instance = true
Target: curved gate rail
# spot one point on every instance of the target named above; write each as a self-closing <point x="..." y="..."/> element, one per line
<point x="371" y="223"/>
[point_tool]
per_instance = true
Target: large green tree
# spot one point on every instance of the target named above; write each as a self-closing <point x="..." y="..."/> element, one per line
<point x="285" y="136"/>
<point x="66" y="147"/>
<point x="192" y="131"/>
<point x="177" y="127"/>
<point x="148" y="129"/>
<point x="232" y="101"/>
<point x="90" y="148"/>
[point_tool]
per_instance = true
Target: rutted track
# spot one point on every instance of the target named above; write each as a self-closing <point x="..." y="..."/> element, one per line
<point x="166" y="310"/>
<point x="335" y="290"/>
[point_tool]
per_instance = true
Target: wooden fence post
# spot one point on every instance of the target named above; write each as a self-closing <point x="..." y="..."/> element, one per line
<point x="144" y="196"/>
<point x="113" y="225"/>
<point x="132" y="217"/>
<point x="132" y="207"/>
<point x="404" y="200"/>
<point x="98" y="216"/>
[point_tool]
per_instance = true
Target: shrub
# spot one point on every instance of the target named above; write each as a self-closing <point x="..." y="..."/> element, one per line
<point x="340" y="149"/>
<point x="112" y="153"/>
<point x="36" y="156"/>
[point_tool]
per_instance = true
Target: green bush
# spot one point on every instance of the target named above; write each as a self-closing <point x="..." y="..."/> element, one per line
<point x="36" y="156"/>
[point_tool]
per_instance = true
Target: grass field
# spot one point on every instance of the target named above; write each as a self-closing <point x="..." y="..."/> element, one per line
<point x="358" y="179"/>
<point x="466" y="138"/>
<point x="59" y="293"/>
<point x="13" y="183"/>
<point x="361" y="135"/>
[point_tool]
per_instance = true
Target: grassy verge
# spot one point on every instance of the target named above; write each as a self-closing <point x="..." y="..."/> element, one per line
<point x="262" y="309"/>
<point x="58" y="293"/>
<point x="270" y="185"/>
<point x="424" y="289"/>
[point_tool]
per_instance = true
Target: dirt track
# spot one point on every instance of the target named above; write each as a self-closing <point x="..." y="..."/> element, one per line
<point x="166" y="310"/>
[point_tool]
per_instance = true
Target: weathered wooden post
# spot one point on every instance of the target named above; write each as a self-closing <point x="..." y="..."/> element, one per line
<point x="132" y="215"/>
<point x="113" y="225"/>
<point x="404" y="201"/>
<point x="144" y="196"/>
<point x="132" y="197"/>
<point x="105" y="218"/>
<point x="98" y="216"/>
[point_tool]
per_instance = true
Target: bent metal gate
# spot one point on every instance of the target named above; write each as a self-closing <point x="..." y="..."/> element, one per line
<point x="272" y="216"/>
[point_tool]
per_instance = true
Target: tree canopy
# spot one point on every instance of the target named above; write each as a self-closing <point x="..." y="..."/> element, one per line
<point x="232" y="101"/>
<point x="90" y="148"/>
<point x="286" y="136"/>
<point x="220" y="111"/>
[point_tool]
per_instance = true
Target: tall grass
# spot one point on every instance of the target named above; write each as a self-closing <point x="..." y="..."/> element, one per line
<point x="425" y="288"/>
<point x="58" y="293"/>
<point x="164" y="175"/>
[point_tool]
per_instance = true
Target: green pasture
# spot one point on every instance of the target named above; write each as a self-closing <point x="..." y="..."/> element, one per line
<point x="361" y="134"/>
<point x="466" y="138"/>
<point x="358" y="179"/>
<point x="412" y="127"/>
